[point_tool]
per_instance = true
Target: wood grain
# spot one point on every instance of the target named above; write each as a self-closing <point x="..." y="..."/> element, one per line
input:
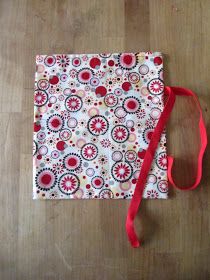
<point x="86" y="239"/>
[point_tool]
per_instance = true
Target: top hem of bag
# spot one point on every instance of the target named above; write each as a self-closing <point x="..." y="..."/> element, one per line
<point x="155" y="53"/>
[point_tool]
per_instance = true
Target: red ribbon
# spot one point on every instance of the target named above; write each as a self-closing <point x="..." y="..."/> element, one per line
<point x="149" y="155"/>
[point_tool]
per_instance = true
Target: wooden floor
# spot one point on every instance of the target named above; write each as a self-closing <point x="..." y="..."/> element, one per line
<point x="86" y="239"/>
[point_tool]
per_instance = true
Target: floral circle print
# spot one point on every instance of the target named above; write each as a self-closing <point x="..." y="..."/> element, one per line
<point x="97" y="182"/>
<point x="68" y="183"/>
<point x="73" y="103"/>
<point x="156" y="86"/>
<point x="120" y="133"/>
<point x="127" y="60"/>
<point x="55" y="123"/>
<point x="110" y="100"/>
<point x="98" y="125"/>
<point x="94" y="116"/>
<point x="122" y="171"/>
<point x="161" y="161"/>
<point x="89" y="151"/>
<point x="106" y="194"/>
<point x="131" y="104"/>
<point x="40" y="98"/>
<point x="72" y="162"/>
<point x="46" y="179"/>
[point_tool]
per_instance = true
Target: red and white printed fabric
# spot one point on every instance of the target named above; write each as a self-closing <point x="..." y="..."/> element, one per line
<point x="99" y="129"/>
<point x="94" y="115"/>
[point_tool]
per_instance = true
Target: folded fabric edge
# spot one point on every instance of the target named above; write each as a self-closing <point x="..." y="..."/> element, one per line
<point x="155" y="53"/>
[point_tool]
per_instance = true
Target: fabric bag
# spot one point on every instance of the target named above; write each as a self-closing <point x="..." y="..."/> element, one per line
<point x="99" y="129"/>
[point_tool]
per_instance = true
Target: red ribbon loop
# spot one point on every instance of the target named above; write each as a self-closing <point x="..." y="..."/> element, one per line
<point x="203" y="140"/>
<point x="149" y="155"/>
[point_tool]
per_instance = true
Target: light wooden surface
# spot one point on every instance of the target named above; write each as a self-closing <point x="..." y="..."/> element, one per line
<point x="86" y="239"/>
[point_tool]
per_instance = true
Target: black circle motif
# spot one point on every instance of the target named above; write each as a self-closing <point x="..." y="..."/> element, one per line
<point x="73" y="103"/>
<point x="97" y="125"/>
<point x="97" y="182"/>
<point x="72" y="162"/>
<point x="127" y="61"/>
<point x="122" y="171"/>
<point x="155" y="86"/>
<point x="55" y="123"/>
<point x="163" y="186"/>
<point x="40" y="97"/>
<point x="89" y="151"/>
<point x="46" y="179"/>
<point x="68" y="183"/>
<point x="35" y="147"/>
<point x="110" y="100"/>
<point x="84" y="75"/>
<point x="120" y="133"/>
<point x="106" y="194"/>
<point x="147" y="134"/>
<point x="131" y="104"/>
